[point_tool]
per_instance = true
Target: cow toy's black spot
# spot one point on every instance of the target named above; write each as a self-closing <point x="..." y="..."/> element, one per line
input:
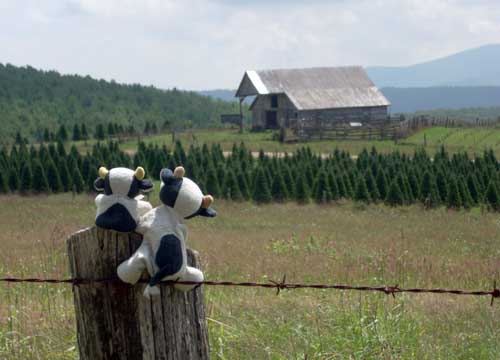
<point x="116" y="217"/>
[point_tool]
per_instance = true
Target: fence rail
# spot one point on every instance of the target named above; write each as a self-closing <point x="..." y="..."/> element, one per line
<point x="278" y="285"/>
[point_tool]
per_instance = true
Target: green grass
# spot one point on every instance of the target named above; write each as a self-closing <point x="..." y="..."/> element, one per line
<point x="454" y="139"/>
<point x="339" y="243"/>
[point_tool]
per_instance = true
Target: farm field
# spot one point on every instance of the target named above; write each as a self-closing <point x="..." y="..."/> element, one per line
<point x="472" y="140"/>
<point x="338" y="243"/>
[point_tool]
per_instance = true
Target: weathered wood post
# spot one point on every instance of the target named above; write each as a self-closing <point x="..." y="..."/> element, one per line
<point x="115" y="321"/>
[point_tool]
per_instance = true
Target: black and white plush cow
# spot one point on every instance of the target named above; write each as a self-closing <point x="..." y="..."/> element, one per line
<point x="163" y="252"/>
<point x="121" y="205"/>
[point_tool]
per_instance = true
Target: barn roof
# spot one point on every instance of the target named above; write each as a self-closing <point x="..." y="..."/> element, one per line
<point x="315" y="88"/>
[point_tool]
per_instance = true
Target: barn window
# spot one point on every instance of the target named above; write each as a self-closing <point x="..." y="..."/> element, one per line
<point x="274" y="101"/>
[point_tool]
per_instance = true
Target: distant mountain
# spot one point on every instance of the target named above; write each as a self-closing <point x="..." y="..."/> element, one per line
<point x="474" y="67"/>
<point x="431" y="98"/>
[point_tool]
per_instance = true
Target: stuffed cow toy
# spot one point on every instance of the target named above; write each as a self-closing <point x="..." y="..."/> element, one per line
<point x="163" y="251"/>
<point x="121" y="205"/>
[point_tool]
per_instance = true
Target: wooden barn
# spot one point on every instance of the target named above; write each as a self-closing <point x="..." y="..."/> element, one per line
<point x="314" y="100"/>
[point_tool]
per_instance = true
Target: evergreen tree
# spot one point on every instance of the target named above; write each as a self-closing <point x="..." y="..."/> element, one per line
<point x="231" y="187"/>
<point x="77" y="181"/>
<point x="414" y="184"/>
<point x="212" y="183"/>
<point x="40" y="184"/>
<point x="334" y="187"/>
<point x="371" y="185"/>
<point x="288" y="180"/>
<point x="492" y="196"/>
<point x="465" y="195"/>
<point x="394" y="195"/>
<point x="302" y="193"/>
<point x="261" y="192"/>
<point x="322" y="192"/>
<point x="64" y="175"/>
<point x="243" y="185"/>
<point x="474" y="188"/>
<point x="454" y="199"/>
<point x="442" y="186"/>
<point x="279" y="190"/>
<point x="13" y="180"/>
<point x="3" y="182"/>
<point x="62" y="134"/>
<point x="382" y="185"/>
<point x="92" y="176"/>
<point x="53" y="177"/>
<point x="99" y="132"/>
<point x="429" y="192"/>
<point x="361" y="193"/>
<point x="26" y="181"/>
<point x="46" y="135"/>
<point x="84" y="135"/>
<point x="76" y="133"/>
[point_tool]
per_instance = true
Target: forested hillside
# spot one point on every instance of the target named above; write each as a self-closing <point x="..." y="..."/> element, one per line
<point x="32" y="100"/>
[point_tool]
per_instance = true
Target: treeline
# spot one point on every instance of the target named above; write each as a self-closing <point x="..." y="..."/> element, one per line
<point x="395" y="179"/>
<point x="101" y="132"/>
<point x="33" y="100"/>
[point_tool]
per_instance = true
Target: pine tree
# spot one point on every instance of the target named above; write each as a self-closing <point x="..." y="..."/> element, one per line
<point x="91" y="178"/>
<point x="473" y="187"/>
<point x="382" y="185"/>
<point x="76" y="133"/>
<point x="99" y="132"/>
<point x="3" y="182"/>
<point x="261" y="192"/>
<point x="279" y="190"/>
<point x="53" y="177"/>
<point x="13" y="179"/>
<point x="371" y="185"/>
<point x="77" y="181"/>
<point x="453" y="200"/>
<point x="302" y="192"/>
<point x="334" y="187"/>
<point x="243" y="185"/>
<point x="414" y="184"/>
<point x="26" y="181"/>
<point x="288" y="180"/>
<point x="361" y="193"/>
<point x="40" y="184"/>
<point x="212" y="183"/>
<point x="62" y="134"/>
<point x="429" y="192"/>
<point x="322" y="192"/>
<point x="231" y="188"/>
<point x="64" y="175"/>
<point x="492" y="197"/>
<point x="394" y="195"/>
<point x="84" y="135"/>
<point x="467" y="200"/>
<point x="442" y="186"/>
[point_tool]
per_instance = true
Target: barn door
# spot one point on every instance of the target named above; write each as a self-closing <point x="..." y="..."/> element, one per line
<point x="271" y="120"/>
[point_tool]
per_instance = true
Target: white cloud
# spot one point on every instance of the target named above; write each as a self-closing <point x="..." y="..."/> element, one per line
<point x="201" y="44"/>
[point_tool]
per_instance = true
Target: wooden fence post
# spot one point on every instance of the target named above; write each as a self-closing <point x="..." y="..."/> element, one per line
<point x="115" y="321"/>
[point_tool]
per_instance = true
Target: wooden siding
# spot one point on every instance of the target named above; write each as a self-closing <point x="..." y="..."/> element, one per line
<point x="262" y="103"/>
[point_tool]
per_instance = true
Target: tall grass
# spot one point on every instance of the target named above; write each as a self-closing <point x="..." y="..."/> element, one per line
<point x="341" y="243"/>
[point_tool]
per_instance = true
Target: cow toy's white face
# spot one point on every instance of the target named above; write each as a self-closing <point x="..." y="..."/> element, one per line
<point x="123" y="182"/>
<point x="184" y="195"/>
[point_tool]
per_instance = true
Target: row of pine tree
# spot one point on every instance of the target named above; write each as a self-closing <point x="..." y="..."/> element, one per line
<point x="396" y="179"/>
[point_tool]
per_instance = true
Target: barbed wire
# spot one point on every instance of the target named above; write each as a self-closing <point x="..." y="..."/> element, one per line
<point x="278" y="285"/>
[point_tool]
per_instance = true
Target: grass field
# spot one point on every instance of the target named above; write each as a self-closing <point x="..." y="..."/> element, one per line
<point x="341" y="243"/>
<point x="454" y="139"/>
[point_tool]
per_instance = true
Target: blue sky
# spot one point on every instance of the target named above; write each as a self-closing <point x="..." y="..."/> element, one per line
<point x="207" y="44"/>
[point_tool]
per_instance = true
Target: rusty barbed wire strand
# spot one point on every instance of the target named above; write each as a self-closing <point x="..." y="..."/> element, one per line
<point x="278" y="285"/>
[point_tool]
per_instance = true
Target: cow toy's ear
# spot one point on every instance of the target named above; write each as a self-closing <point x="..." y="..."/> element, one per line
<point x="99" y="184"/>
<point x="166" y="175"/>
<point x="179" y="172"/>
<point x="139" y="173"/>
<point x="146" y="185"/>
<point x="103" y="172"/>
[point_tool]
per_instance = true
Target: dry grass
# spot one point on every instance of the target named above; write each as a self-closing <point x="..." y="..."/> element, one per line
<point x="342" y="243"/>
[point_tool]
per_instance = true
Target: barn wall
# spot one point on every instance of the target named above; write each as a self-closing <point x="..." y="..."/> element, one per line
<point x="360" y="114"/>
<point x="285" y="110"/>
